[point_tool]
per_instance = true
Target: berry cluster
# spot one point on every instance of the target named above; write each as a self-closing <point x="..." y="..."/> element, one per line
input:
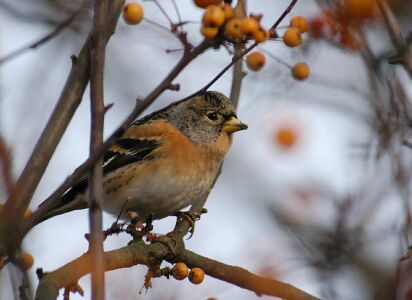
<point x="180" y="271"/>
<point x="340" y="24"/>
<point x="223" y="19"/>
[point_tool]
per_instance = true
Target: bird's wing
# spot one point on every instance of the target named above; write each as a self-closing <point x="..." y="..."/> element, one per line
<point x="125" y="151"/>
<point x="137" y="144"/>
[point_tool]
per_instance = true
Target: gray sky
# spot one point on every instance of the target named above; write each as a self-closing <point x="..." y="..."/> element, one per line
<point x="239" y="228"/>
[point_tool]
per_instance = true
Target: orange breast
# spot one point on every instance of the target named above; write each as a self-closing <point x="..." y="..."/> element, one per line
<point x="185" y="156"/>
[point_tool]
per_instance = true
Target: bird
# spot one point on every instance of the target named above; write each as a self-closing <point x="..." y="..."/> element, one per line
<point x="164" y="161"/>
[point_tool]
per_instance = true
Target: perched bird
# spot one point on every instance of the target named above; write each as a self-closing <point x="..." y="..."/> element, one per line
<point x="165" y="161"/>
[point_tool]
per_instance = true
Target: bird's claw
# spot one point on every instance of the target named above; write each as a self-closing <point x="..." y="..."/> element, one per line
<point x="191" y="217"/>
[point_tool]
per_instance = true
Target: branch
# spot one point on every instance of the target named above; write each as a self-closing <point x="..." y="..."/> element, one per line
<point x="68" y="102"/>
<point x="396" y="35"/>
<point x="5" y="165"/>
<point x="403" y="278"/>
<point x="244" y="278"/>
<point x="97" y="58"/>
<point x="48" y="36"/>
<point x="237" y="77"/>
<point x="152" y="254"/>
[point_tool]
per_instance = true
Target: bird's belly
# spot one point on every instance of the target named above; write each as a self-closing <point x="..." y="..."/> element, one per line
<point x="161" y="192"/>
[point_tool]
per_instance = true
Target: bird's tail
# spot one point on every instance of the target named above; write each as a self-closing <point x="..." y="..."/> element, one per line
<point x="73" y="199"/>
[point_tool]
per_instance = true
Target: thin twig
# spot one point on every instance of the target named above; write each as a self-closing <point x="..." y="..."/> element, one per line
<point x="237" y="74"/>
<point x="48" y="36"/>
<point x="275" y="58"/>
<point x="177" y="11"/>
<point x="284" y="14"/>
<point x="237" y="77"/>
<point x="396" y="35"/>
<point x="95" y="197"/>
<point x="163" y="12"/>
<point x="151" y="22"/>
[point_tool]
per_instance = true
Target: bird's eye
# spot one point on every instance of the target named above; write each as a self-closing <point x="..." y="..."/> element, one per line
<point x="212" y="116"/>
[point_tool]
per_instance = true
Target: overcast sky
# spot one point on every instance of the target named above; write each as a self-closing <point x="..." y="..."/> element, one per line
<point x="239" y="229"/>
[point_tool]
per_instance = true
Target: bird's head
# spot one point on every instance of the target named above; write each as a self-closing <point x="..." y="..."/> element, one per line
<point x="205" y="117"/>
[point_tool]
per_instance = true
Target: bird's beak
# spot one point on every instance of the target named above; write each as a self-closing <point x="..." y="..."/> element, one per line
<point x="232" y="125"/>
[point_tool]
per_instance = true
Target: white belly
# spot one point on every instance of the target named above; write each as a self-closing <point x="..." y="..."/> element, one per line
<point x="156" y="192"/>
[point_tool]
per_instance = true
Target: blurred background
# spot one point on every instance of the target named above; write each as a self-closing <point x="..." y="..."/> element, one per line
<point x="315" y="193"/>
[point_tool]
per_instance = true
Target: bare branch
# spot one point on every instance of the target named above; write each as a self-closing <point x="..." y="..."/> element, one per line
<point x="244" y="278"/>
<point x="97" y="58"/>
<point x="5" y="166"/>
<point x="48" y="36"/>
<point x="237" y="78"/>
<point x="396" y="35"/>
<point x="177" y="11"/>
<point x="163" y="12"/>
<point x="68" y="102"/>
<point x="140" y="253"/>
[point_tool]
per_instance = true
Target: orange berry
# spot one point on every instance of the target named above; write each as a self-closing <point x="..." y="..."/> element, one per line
<point x="249" y="26"/>
<point x="196" y="275"/>
<point x="292" y="37"/>
<point x="261" y="35"/>
<point x="213" y="16"/>
<point x="286" y="137"/>
<point x="300" y="23"/>
<point x="316" y="27"/>
<point x="206" y="3"/>
<point x="209" y="32"/>
<point x="255" y="61"/>
<point x="180" y="271"/>
<point x="359" y="9"/>
<point x="24" y="261"/>
<point x="228" y="11"/>
<point x="233" y="28"/>
<point x="300" y="71"/>
<point x="133" y="13"/>
<point x="27" y="213"/>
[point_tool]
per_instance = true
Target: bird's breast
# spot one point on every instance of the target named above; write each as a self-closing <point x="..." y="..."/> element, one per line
<point x="175" y="175"/>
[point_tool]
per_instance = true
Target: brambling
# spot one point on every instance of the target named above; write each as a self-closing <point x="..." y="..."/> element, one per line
<point x="165" y="161"/>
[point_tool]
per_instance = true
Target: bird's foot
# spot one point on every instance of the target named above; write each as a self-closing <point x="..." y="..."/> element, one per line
<point x="136" y="227"/>
<point x="191" y="217"/>
<point x="134" y="218"/>
<point x="116" y="228"/>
